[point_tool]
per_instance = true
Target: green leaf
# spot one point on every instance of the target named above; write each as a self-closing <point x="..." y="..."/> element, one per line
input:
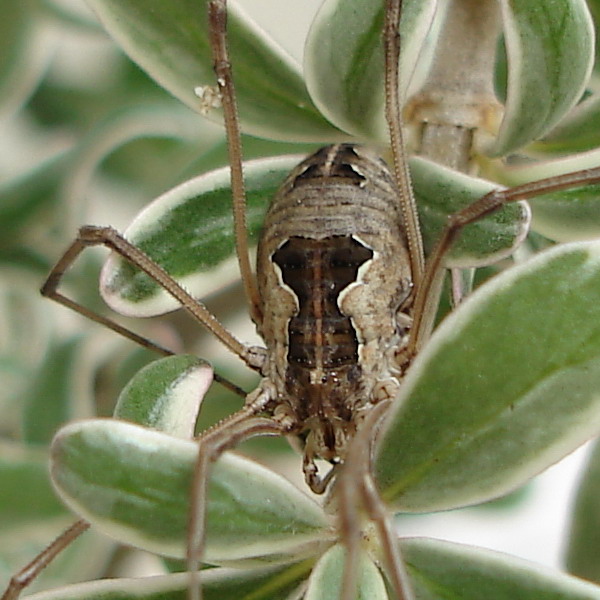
<point x="442" y="570"/>
<point x="122" y="128"/>
<point x="550" y="48"/>
<point x="568" y="215"/>
<point x="26" y="490"/>
<point x="217" y="155"/>
<point x="166" y="395"/>
<point x="343" y="61"/>
<point x="198" y="215"/>
<point x="584" y="536"/>
<point x="134" y="484"/>
<point x="86" y="558"/>
<point x="31" y="516"/>
<point x="49" y="401"/>
<point x="577" y="132"/>
<point x="169" y="41"/>
<point x="75" y="16"/>
<point x="440" y="192"/>
<point x="23" y="198"/>
<point x="325" y="581"/>
<point x="26" y="47"/>
<point x="24" y="318"/>
<point x="507" y="385"/>
<point x="594" y="6"/>
<point x="217" y="584"/>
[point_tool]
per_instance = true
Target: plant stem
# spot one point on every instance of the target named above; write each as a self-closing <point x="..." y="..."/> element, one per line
<point x="457" y="101"/>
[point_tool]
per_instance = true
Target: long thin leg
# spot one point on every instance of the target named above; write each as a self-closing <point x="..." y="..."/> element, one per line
<point x="391" y="37"/>
<point x="379" y="514"/>
<point x="217" y="19"/>
<point x="377" y="510"/>
<point x="356" y="492"/>
<point x="50" y="290"/>
<point x="350" y="532"/>
<point x="107" y="236"/>
<point x="28" y="573"/>
<point x="238" y="427"/>
<point x="480" y="208"/>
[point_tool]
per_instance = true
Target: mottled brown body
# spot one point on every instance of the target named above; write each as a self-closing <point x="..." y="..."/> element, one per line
<point x="333" y="272"/>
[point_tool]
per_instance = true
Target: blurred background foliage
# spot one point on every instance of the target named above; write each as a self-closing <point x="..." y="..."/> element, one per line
<point x="87" y="137"/>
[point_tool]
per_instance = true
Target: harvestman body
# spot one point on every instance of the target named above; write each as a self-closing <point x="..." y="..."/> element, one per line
<point x="333" y="271"/>
<point x="342" y="302"/>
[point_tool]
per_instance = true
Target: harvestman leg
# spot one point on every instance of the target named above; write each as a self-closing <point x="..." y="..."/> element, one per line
<point x="393" y="111"/>
<point x="237" y="428"/>
<point x="240" y="426"/>
<point x="28" y="573"/>
<point x="90" y="235"/>
<point x="245" y="423"/>
<point x="355" y="485"/>
<point x="217" y="27"/>
<point x="486" y="205"/>
<point x="93" y="236"/>
<point x="420" y="330"/>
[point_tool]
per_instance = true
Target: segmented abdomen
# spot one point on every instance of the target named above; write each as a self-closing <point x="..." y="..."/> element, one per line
<point x="320" y="336"/>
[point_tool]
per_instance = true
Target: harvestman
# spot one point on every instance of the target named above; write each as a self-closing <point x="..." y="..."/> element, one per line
<point x="333" y="359"/>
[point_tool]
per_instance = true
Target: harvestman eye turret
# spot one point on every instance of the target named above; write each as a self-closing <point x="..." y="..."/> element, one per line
<point x="342" y="299"/>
